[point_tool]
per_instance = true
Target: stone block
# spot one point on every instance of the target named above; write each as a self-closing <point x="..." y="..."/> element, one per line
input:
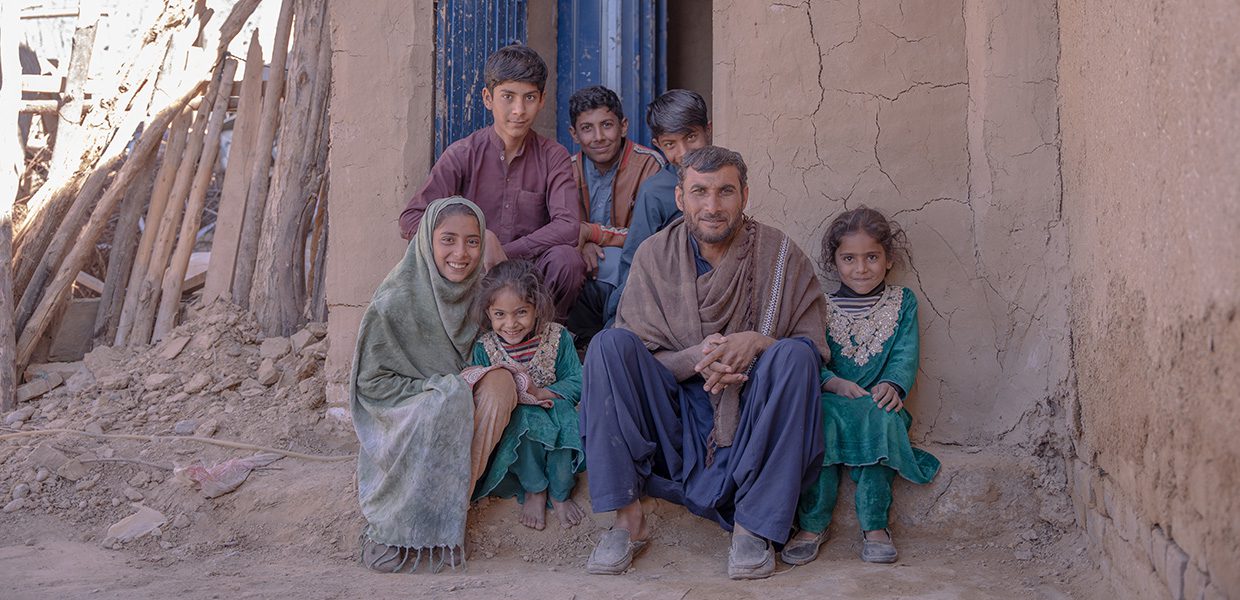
<point x="274" y="347"/>
<point x="159" y="381"/>
<point x="172" y="348"/>
<point x="200" y="381"/>
<point x="268" y="374"/>
<point x="112" y="381"/>
<point x="44" y="455"/>
<point x="72" y="470"/>
<point x="1177" y="562"/>
<point x="301" y="339"/>
<point x="38" y="387"/>
<point x="22" y="414"/>
<point x="185" y="427"/>
<point x="14" y="505"/>
<point x="136" y="525"/>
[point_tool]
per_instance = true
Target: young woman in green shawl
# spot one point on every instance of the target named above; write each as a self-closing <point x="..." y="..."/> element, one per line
<point x="423" y="432"/>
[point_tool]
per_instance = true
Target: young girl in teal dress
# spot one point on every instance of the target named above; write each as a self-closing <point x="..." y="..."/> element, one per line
<point x="872" y="333"/>
<point x="540" y="452"/>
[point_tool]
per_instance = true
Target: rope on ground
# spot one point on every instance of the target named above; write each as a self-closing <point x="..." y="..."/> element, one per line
<point x="173" y="438"/>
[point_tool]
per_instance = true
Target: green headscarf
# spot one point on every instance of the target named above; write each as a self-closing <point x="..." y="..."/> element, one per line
<point x="418" y="323"/>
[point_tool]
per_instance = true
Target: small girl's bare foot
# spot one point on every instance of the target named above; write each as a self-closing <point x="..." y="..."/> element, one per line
<point x="568" y="511"/>
<point x="534" y="511"/>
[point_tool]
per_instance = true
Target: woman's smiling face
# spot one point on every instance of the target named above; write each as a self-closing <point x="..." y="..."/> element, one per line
<point x="457" y="246"/>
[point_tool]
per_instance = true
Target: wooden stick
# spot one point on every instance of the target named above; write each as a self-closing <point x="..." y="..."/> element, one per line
<point x="232" y="192"/>
<point x="176" y="438"/>
<point x="57" y="291"/>
<point x="11" y="156"/>
<point x="173" y="152"/>
<point x="121" y="255"/>
<point x="165" y="319"/>
<point x="148" y="293"/>
<point x="256" y="195"/>
<point x="279" y="291"/>
<point x="63" y="171"/>
<point x="63" y="239"/>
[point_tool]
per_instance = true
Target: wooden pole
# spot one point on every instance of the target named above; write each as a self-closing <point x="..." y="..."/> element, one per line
<point x="85" y="245"/>
<point x="148" y="293"/>
<point x="279" y="291"/>
<point x="121" y="255"/>
<point x="232" y="192"/>
<point x="165" y="318"/>
<point x="63" y="239"/>
<point x="173" y="152"/>
<point x="256" y="195"/>
<point x="11" y="158"/>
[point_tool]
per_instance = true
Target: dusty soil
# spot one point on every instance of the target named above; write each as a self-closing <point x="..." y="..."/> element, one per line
<point x="291" y="528"/>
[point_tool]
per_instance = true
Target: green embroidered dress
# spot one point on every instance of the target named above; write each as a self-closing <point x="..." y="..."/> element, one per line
<point x="876" y="345"/>
<point x="540" y="448"/>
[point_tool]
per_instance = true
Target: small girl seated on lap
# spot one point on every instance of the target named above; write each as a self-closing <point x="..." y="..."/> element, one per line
<point x="540" y="451"/>
<point x="872" y="333"/>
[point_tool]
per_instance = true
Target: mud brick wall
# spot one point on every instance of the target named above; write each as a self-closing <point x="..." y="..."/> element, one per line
<point x="382" y="132"/>
<point x="1150" y="93"/>
<point x="942" y="115"/>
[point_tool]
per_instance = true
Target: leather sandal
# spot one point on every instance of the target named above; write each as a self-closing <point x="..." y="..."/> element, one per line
<point x="614" y="553"/>
<point x="801" y="551"/>
<point x="750" y="557"/>
<point x="878" y="552"/>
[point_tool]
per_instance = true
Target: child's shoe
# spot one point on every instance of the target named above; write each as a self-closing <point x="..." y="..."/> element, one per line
<point x="802" y="552"/>
<point x="876" y="551"/>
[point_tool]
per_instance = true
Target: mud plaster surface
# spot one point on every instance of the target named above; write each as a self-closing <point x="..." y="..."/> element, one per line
<point x="1150" y="95"/>
<point x="382" y="128"/>
<point x="943" y="115"/>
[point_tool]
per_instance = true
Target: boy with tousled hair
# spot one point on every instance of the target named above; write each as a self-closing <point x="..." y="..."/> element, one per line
<point x="679" y="123"/>
<point x="609" y="169"/>
<point x="522" y="181"/>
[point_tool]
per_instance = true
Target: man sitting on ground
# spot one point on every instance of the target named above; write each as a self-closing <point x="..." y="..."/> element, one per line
<point x="706" y="392"/>
<point x="522" y="181"/>
<point x="609" y="169"/>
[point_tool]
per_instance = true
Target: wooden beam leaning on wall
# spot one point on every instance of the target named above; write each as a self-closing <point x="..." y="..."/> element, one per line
<point x="57" y="291"/>
<point x="260" y="171"/>
<point x="11" y="160"/>
<point x="236" y="181"/>
<point x="170" y="302"/>
<point x="149" y="292"/>
<point x="44" y="212"/>
<point x="279" y="289"/>
<point x="173" y="153"/>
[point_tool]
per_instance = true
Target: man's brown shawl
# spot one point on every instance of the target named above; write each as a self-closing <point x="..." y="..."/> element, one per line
<point x="670" y="308"/>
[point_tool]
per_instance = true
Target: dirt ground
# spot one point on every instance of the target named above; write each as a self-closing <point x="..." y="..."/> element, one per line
<point x="291" y="528"/>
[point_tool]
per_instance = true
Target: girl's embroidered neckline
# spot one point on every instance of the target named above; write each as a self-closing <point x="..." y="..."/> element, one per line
<point x="862" y="336"/>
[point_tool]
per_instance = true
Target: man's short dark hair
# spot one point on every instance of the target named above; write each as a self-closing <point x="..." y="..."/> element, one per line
<point x="710" y="159"/>
<point x="516" y="62"/>
<point x="590" y="98"/>
<point x="676" y="112"/>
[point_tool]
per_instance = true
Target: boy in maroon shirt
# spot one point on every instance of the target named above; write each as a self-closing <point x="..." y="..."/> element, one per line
<point x="522" y="181"/>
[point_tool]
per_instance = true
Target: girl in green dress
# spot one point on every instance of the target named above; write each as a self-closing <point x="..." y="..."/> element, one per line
<point x="540" y="452"/>
<point x="872" y="333"/>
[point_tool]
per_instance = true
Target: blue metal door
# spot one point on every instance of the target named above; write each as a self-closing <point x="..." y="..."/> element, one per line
<point x="621" y="44"/>
<point x="467" y="32"/>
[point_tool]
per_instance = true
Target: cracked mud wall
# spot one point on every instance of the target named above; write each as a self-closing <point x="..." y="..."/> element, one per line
<point x="382" y="133"/>
<point x="1150" y="93"/>
<point x="943" y="115"/>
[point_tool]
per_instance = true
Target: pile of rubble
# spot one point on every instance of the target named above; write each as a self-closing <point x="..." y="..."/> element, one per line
<point x="148" y="413"/>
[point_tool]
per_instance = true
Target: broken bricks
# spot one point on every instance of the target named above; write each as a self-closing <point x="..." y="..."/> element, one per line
<point x="134" y="526"/>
